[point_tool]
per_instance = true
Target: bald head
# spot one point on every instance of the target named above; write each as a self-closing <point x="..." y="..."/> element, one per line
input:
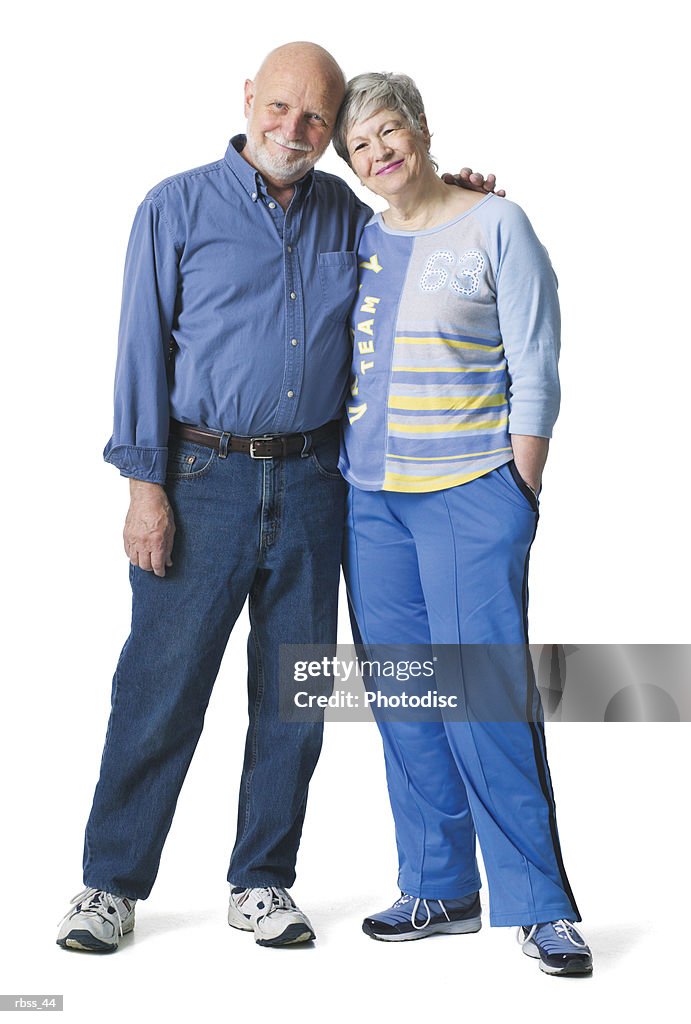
<point x="291" y="109"/>
<point x="308" y="57"/>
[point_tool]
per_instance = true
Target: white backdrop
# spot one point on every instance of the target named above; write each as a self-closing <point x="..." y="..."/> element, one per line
<point x="577" y="108"/>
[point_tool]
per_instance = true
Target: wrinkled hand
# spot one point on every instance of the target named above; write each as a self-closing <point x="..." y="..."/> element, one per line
<point x="530" y="455"/>
<point x="473" y="180"/>
<point x="149" y="528"/>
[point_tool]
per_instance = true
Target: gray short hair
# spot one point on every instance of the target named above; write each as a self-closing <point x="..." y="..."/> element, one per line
<point x="373" y="91"/>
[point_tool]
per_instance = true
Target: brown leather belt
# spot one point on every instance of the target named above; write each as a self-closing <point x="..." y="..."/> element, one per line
<point x="270" y="446"/>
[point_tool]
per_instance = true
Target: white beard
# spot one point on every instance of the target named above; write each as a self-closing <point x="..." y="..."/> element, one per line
<point x="281" y="167"/>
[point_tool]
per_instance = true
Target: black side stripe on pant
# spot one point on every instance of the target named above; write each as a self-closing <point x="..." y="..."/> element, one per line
<point x="537" y="729"/>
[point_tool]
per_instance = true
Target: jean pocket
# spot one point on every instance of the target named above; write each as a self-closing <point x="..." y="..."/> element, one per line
<point x="188" y="461"/>
<point x="325" y="457"/>
<point x="525" y="489"/>
<point x="338" y="276"/>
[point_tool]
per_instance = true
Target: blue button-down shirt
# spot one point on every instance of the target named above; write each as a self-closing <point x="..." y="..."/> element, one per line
<point x="234" y="313"/>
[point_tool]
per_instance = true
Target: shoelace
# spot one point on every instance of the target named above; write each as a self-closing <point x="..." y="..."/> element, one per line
<point x="419" y="927"/>
<point x="275" y="898"/>
<point x="563" y="929"/>
<point x="95" y="901"/>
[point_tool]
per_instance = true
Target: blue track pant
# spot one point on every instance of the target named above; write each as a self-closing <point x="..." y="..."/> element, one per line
<point x="450" y="567"/>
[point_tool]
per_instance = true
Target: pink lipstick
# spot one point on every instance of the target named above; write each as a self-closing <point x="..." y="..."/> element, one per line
<point x="390" y="167"/>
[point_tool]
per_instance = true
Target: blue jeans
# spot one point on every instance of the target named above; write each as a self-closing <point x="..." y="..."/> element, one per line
<point x="268" y="529"/>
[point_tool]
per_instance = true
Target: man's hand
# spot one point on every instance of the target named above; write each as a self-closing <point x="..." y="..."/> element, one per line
<point x="149" y="528"/>
<point x="476" y="182"/>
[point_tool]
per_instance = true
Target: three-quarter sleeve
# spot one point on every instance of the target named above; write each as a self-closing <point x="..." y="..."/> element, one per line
<point x="138" y="446"/>
<point x="530" y="324"/>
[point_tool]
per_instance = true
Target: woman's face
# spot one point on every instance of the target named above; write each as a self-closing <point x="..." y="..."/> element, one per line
<point x="386" y="154"/>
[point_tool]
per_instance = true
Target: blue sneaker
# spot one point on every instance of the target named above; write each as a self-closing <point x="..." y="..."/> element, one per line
<point x="414" y="918"/>
<point x="559" y="946"/>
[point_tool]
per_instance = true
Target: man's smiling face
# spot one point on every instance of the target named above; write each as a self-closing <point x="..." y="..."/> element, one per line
<point x="291" y="109"/>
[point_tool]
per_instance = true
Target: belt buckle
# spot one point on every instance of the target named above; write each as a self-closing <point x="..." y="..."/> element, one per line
<point x="253" y="441"/>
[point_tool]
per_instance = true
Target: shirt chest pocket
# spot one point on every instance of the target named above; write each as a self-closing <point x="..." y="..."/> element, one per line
<point x="338" y="277"/>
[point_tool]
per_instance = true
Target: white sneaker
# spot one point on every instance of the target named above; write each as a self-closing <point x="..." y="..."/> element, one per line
<point x="95" y="921"/>
<point x="270" y="913"/>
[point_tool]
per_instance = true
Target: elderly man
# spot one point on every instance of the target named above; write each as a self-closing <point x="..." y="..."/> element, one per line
<point x="232" y="370"/>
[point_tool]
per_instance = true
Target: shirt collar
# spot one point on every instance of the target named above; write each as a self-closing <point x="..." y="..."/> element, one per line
<point x="250" y="179"/>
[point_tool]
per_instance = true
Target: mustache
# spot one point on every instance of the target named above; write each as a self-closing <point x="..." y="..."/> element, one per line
<point x="301" y="147"/>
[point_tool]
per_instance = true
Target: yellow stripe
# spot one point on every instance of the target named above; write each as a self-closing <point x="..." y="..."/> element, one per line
<point x="400" y="482"/>
<point x="403" y="340"/>
<point x="450" y="369"/>
<point x="446" y="458"/>
<point x="446" y="402"/>
<point x="441" y="428"/>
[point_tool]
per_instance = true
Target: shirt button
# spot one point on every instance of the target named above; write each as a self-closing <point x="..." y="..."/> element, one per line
<point x="254" y="195"/>
<point x="293" y="342"/>
<point x="272" y="206"/>
<point x="293" y="295"/>
<point x="291" y="394"/>
<point x="289" y="248"/>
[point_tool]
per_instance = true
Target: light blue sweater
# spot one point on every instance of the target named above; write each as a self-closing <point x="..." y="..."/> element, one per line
<point x="456" y="345"/>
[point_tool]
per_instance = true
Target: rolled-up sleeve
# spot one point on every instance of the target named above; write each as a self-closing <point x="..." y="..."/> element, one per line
<point x="529" y="321"/>
<point x="138" y="446"/>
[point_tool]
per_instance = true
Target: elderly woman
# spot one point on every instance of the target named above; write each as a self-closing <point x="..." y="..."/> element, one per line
<point x="454" y="396"/>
